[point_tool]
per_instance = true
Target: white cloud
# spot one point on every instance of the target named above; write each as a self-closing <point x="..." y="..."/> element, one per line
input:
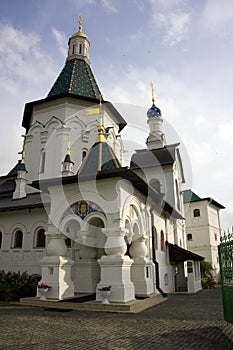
<point x="166" y="4"/>
<point x="202" y="153"/>
<point x="217" y="13"/>
<point x="20" y="54"/>
<point x="173" y="25"/>
<point x="171" y="19"/>
<point x="61" y="41"/>
<point x="109" y="6"/>
<point x="226" y="132"/>
<point x="15" y="39"/>
<point x="26" y="74"/>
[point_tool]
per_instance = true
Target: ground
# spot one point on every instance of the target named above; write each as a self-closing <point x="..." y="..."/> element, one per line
<point x="183" y="322"/>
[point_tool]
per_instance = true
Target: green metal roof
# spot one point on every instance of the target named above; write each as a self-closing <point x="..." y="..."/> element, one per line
<point x="100" y="157"/>
<point x="76" y="78"/>
<point x="190" y="196"/>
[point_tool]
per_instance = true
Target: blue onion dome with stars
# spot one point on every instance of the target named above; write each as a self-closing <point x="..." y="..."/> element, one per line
<point x="153" y="112"/>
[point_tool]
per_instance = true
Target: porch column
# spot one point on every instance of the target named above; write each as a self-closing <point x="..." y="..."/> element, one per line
<point x="115" y="267"/>
<point x="142" y="270"/>
<point x="56" y="266"/>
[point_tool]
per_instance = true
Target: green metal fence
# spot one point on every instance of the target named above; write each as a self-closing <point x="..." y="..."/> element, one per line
<point x="225" y="250"/>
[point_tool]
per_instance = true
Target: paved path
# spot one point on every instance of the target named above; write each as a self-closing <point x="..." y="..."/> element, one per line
<point x="183" y="322"/>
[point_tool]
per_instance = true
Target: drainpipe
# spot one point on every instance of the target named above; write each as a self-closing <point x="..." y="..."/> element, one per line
<point x="154" y="259"/>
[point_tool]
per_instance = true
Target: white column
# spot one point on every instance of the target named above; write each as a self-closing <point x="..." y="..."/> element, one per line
<point x="116" y="267"/>
<point x="142" y="270"/>
<point x="56" y="266"/>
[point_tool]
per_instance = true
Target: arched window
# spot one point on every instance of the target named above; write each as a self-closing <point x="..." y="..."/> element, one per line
<point x="196" y="213"/>
<point x="42" y="161"/>
<point x="80" y="49"/>
<point x="162" y="242"/>
<point x="18" y="239"/>
<point x="40" y="238"/>
<point x="73" y="49"/>
<point x="0" y="239"/>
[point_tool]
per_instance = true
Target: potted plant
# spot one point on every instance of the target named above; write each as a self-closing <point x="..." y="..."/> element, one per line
<point x="105" y="292"/>
<point x="43" y="289"/>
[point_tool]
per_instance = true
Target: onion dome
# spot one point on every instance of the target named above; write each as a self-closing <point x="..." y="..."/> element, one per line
<point x="153" y="112"/>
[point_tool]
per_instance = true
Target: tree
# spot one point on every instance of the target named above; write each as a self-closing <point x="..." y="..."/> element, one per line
<point x="206" y="269"/>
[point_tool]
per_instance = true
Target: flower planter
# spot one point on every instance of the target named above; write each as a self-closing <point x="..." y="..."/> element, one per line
<point x="43" y="292"/>
<point x="105" y="294"/>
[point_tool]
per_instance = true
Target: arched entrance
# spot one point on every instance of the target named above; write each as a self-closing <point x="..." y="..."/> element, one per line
<point x="87" y="246"/>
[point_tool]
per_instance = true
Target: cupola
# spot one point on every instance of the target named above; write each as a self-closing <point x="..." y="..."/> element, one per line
<point x="79" y="45"/>
<point x="156" y="138"/>
<point x="76" y="78"/>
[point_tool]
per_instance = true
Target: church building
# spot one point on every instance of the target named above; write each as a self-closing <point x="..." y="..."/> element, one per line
<point x="72" y="213"/>
<point x="202" y="219"/>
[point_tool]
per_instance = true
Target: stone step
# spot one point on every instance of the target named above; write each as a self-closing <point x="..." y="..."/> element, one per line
<point x="133" y="306"/>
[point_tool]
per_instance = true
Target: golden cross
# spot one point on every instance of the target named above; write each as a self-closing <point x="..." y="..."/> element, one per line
<point x="153" y="92"/>
<point x="23" y="150"/>
<point x="80" y="28"/>
<point x="68" y="143"/>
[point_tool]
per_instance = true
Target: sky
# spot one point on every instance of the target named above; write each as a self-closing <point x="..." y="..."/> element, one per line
<point x="183" y="46"/>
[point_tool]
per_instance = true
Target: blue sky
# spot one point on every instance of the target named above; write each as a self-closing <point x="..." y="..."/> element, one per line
<point x="183" y="46"/>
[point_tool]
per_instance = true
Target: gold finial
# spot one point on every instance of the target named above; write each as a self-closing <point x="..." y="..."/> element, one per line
<point x="80" y="28"/>
<point x="23" y="151"/>
<point x="100" y="137"/>
<point x="153" y="92"/>
<point x="68" y="145"/>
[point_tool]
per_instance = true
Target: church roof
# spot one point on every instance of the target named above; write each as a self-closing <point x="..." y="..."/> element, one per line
<point x="32" y="200"/>
<point x="157" y="157"/>
<point x="14" y="170"/>
<point x="190" y="196"/>
<point x="76" y="78"/>
<point x="100" y="157"/>
<point x="178" y="254"/>
<point x="7" y="187"/>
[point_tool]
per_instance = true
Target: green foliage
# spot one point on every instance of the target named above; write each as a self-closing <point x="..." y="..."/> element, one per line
<point x="208" y="283"/>
<point x="14" y="285"/>
<point x="206" y="269"/>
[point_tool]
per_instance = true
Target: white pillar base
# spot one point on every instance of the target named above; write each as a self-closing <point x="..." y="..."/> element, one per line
<point x="142" y="276"/>
<point x="56" y="272"/>
<point x="115" y="271"/>
<point x="86" y="275"/>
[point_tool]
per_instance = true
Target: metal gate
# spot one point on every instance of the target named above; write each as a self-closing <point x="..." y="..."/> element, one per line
<point x="225" y="250"/>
